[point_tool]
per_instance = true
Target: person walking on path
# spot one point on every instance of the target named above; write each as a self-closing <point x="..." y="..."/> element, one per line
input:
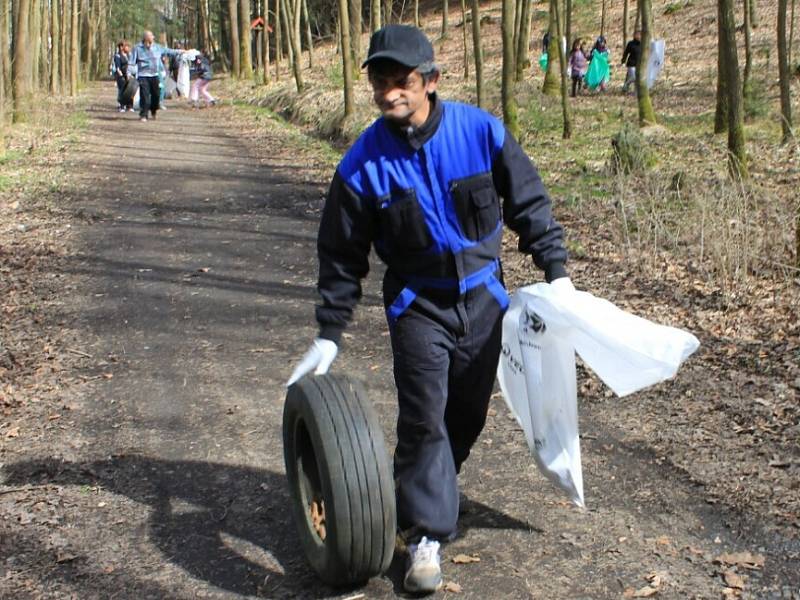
<point x="630" y="58"/>
<point x="146" y="56"/>
<point x="205" y="74"/>
<point x="121" y="74"/>
<point x="577" y="65"/>
<point x="429" y="184"/>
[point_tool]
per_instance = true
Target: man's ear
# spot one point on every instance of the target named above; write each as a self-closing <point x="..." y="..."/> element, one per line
<point x="433" y="81"/>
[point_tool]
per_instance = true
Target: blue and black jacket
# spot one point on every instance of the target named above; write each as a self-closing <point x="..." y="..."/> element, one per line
<point x="429" y="200"/>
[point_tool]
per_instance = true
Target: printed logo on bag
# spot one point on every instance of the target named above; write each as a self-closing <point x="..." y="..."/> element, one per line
<point x="514" y="363"/>
<point x="533" y="322"/>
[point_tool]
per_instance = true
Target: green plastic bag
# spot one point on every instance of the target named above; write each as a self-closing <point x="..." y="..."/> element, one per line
<point x="543" y="61"/>
<point x="599" y="72"/>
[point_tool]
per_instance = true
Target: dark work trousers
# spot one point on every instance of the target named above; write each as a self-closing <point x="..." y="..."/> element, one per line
<point x="121" y="81"/>
<point x="148" y="95"/>
<point x="445" y="359"/>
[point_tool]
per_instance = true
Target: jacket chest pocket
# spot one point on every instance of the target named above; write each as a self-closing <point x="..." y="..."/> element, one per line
<point x="477" y="206"/>
<point x="402" y="221"/>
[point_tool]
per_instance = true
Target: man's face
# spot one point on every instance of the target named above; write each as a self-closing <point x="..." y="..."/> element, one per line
<point x="400" y="92"/>
<point x="638" y="36"/>
<point x="148" y="40"/>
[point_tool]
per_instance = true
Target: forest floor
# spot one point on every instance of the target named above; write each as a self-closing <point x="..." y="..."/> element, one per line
<point x="157" y="284"/>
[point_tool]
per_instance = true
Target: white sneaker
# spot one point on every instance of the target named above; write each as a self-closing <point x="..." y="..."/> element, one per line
<point x="423" y="570"/>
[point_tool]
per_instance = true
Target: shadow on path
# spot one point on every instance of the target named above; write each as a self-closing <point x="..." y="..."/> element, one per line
<point x="229" y="526"/>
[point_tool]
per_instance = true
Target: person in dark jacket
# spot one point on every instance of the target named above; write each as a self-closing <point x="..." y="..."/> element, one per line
<point x="121" y="74"/>
<point x="630" y="58"/>
<point x="429" y="185"/>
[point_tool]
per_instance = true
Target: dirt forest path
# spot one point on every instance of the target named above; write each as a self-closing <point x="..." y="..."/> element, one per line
<point x="192" y="296"/>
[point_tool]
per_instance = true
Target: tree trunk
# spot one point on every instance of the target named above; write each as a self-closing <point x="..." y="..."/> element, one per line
<point x="55" y="52"/>
<point x="347" y="67"/>
<point x="477" y="50"/>
<point x="737" y="155"/>
<point x="63" y="68"/>
<point x="5" y="50"/>
<point x="646" y="114"/>
<point x="20" y="66"/>
<point x="74" y="68"/>
<point x="603" y="18"/>
<point x="375" y="15"/>
<point x="233" y="37"/>
<point x="355" y="34"/>
<point x="205" y="26"/>
<point x="445" y="24"/>
<point x="523" y="62"/>
<point x="246" y="55"/>
<point x="568" y="22"/>
<point x="791" y="36"/>
<point x="387" y="11"/>
<point x="753" y="14"/>
<point x="748" y="55"/>
<point x="517" y="13"/>
<point x="721" y="112"/>
<point x="296" y="44"/>
<point x="35" y="26"/>
<point x="508" y="99"/>
<point x="278" y="40"/>
<point x="550" y="86"/>
<point x="265" y="45"/>
<point x="784" y="75"/>
<point x="287" y="30"/>
<point x="624" y="25"/>
<point x="562" y="61"/>
<point x="416" y="13"/>
<point x="309" y="38"/>
<point x="464" y="32"/>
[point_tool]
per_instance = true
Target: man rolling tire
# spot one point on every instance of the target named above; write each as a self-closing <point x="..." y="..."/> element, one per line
<point x="423" y="185"/>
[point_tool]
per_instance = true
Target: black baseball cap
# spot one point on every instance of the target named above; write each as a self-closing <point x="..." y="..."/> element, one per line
<point x="401" y="43"/>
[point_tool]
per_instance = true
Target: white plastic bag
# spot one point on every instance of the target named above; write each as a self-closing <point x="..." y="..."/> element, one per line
<point x="541" y="331"/>
<point x="655" y="62"/>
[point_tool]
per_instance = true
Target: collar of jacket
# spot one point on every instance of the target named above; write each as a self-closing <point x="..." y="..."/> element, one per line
<point x="417" y="136"/>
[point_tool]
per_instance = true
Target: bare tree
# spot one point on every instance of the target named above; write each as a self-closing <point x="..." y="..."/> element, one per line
<point x="445" y="24"/>
<point x="309" y="38"/>
<point x="233" y="37"/>
<point x="647" y="115"/>
<point x="347" y="67"/>
<point x="278" y="40"/>
<point x="74" y="68"/>
<point x="721" y="110"/>
<point x="355" y="34"/>
<point x="568" y="21"/>
<point x="509" y="100"/>
<point x="265" y="44"/>
<point x="295" y="40"/>
<point x="21" y="68"/>
<point x="375" y="15"/>
<point x="523" y="40"/>
<point x="562" y="61"/>
<point x="464" y="32"/>
<point x="477" y="50"/>
<point x="603" y="18"/>
<point x="624" y="25"/>
<point x="55" y="51"/>
<point x="748" y="54"/>
<point x="784" y="75"/>
<point x="550" y="86"/>
<point x="737" y="155"/>
<point x="245" y="53"/>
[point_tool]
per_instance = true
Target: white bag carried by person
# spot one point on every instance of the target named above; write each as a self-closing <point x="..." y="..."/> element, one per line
<point x="542" y="330"/>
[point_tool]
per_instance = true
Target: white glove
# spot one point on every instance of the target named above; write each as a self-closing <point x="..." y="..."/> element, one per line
<point x="318" y="359"/>
<point x="562" y="285"/>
